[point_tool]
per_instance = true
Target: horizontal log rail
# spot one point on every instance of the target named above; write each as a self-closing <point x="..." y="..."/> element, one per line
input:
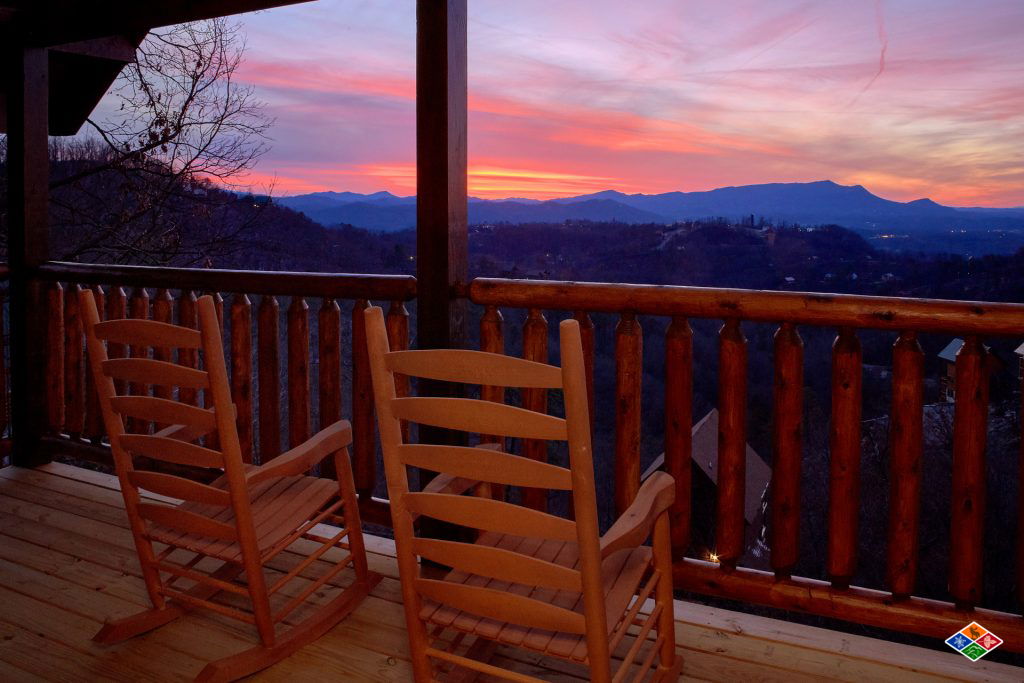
<point x="897" y="608"/>
<point x="277" y="283"/>
<point x="801" y="308"/>
<point x="291" y="362"/>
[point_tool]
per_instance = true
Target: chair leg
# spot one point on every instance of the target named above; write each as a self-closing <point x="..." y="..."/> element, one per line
<point x="671" y="662"/>
<point x="118" y="630"/>
<point x="255" y="659"/>
<point x="347" y="491"/>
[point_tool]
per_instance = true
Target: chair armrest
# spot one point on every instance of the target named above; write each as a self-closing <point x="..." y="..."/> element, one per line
<point x="634" y="526"/>
<point x="449" y="483"/>
<point x="301" y="458"/>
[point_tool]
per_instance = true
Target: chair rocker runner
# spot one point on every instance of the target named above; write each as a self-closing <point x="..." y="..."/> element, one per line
<point x="226" y="539"/>
<point x="531" y="579"/>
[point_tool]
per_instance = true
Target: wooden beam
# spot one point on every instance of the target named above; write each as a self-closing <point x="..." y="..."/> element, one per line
<point x="441" y="237"/>
<point x="28" y="178"/>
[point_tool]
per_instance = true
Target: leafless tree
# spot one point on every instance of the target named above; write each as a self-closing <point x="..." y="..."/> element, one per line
<point x="140" y="185"/>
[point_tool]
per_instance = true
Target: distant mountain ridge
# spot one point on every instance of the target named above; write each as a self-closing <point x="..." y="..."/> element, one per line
<point x="814" y="203"/>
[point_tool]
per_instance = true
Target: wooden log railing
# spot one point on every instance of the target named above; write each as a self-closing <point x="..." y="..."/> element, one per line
<point x="5" y="398"/>
<point x="170" y="294"/>
<point x="896" y="608"/>
<point x="272" y="416"/>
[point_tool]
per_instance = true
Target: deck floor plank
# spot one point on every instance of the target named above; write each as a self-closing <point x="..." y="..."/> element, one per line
<point x="67" y="561"/>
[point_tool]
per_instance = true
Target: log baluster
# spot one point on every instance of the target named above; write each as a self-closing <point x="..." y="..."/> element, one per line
<point x="732" y="443"/>
<point x="905" y="453"/>
<point x="74" y="376"/>
<point x="94" y="429"/>
<point x="218" y="306"/>
<point x="844" y="460"/>
<point x="397" y="324"/>
<point x="1020" y="494"/>
<point x="535" y="348"/>
<point x="328" y="331"/>
<point x="268" y="378"/>
<point x="679" y="427"/>
<point x="587" y="339"/>
<point x="969" y="442"/>
<point x="163" y="311"/>
<point x="188" y="316"/>
<point x="492" y="340"/>
<point x="138" y="307"/>
<point x="212" y="440"/>
<point x="298" y="372"/>
<point x="628" y="378"/>
<point x="363" y="445"/>
<point x="787" y="442"/>
<point x="5" y="405"/>
<point x="117" y="308"/>
<point x="55" y="357"/>
<point x="240" y="314"/>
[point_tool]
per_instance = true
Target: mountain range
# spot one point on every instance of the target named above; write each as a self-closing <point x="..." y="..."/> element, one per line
<point x="814" y="203"/>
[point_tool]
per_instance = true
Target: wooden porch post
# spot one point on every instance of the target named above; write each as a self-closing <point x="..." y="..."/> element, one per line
<point x="28" y="181"/>
<point x="441" y="238"/>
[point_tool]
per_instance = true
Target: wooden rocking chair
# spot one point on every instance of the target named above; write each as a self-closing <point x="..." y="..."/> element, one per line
<point x="220" y="540"/>
<point x="531" y="579"/>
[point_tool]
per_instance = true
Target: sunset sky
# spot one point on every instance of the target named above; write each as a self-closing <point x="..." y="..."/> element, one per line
<point x="910" y="98"/>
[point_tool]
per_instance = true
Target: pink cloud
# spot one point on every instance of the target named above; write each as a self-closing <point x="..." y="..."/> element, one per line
<point x="660" y="96"/>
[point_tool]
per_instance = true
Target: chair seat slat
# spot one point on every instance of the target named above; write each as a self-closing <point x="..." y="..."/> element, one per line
<point x="490" y="515"/>
<point x="148" y="371"/>
<point x="486" y="465"/>
<point x="164" y="411"/>
<point x="474" y="367"/>
<point x="171" y="450"/>
<point x="502" y="606"/>
<point x="138" y="332"/>
<point x="498" y="563"/>
<point x="480" y="417"/>
<point x="179" y="487"/>
<point x="183" y="520"/>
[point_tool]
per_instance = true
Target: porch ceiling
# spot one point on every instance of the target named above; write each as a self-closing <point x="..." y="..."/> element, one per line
<point x="89" y="44"/>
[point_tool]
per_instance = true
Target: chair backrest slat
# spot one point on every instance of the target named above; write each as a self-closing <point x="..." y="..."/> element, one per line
<point x="135" y="332"/>
<point x="486" y="465"/>
<point x="502" y="605"/>
<point x="148" y="371"/>
<point x="189" y="522"/>
<point x="179" y="487"/>
<point x="481" y="417"/>
<point x="171" y="450"/>
<point x="474" y="367"/>
<point x="490" y="515"/>
<point x="163" y="410"/>
<point x="498" y="563"/>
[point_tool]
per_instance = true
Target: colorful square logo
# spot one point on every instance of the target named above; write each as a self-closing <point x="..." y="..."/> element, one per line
<point x="974" y="641"/>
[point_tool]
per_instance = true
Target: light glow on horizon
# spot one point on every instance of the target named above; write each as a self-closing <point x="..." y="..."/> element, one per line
<point x="910" y="98"/>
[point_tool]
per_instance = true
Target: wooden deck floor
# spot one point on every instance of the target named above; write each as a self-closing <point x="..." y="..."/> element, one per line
<point x="67" y="563"/>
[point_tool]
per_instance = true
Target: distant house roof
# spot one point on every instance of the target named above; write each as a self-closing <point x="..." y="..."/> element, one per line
<point x="953" y="348"/>
<point x="705" y="454"/>
<point x="1019" y="350"/>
